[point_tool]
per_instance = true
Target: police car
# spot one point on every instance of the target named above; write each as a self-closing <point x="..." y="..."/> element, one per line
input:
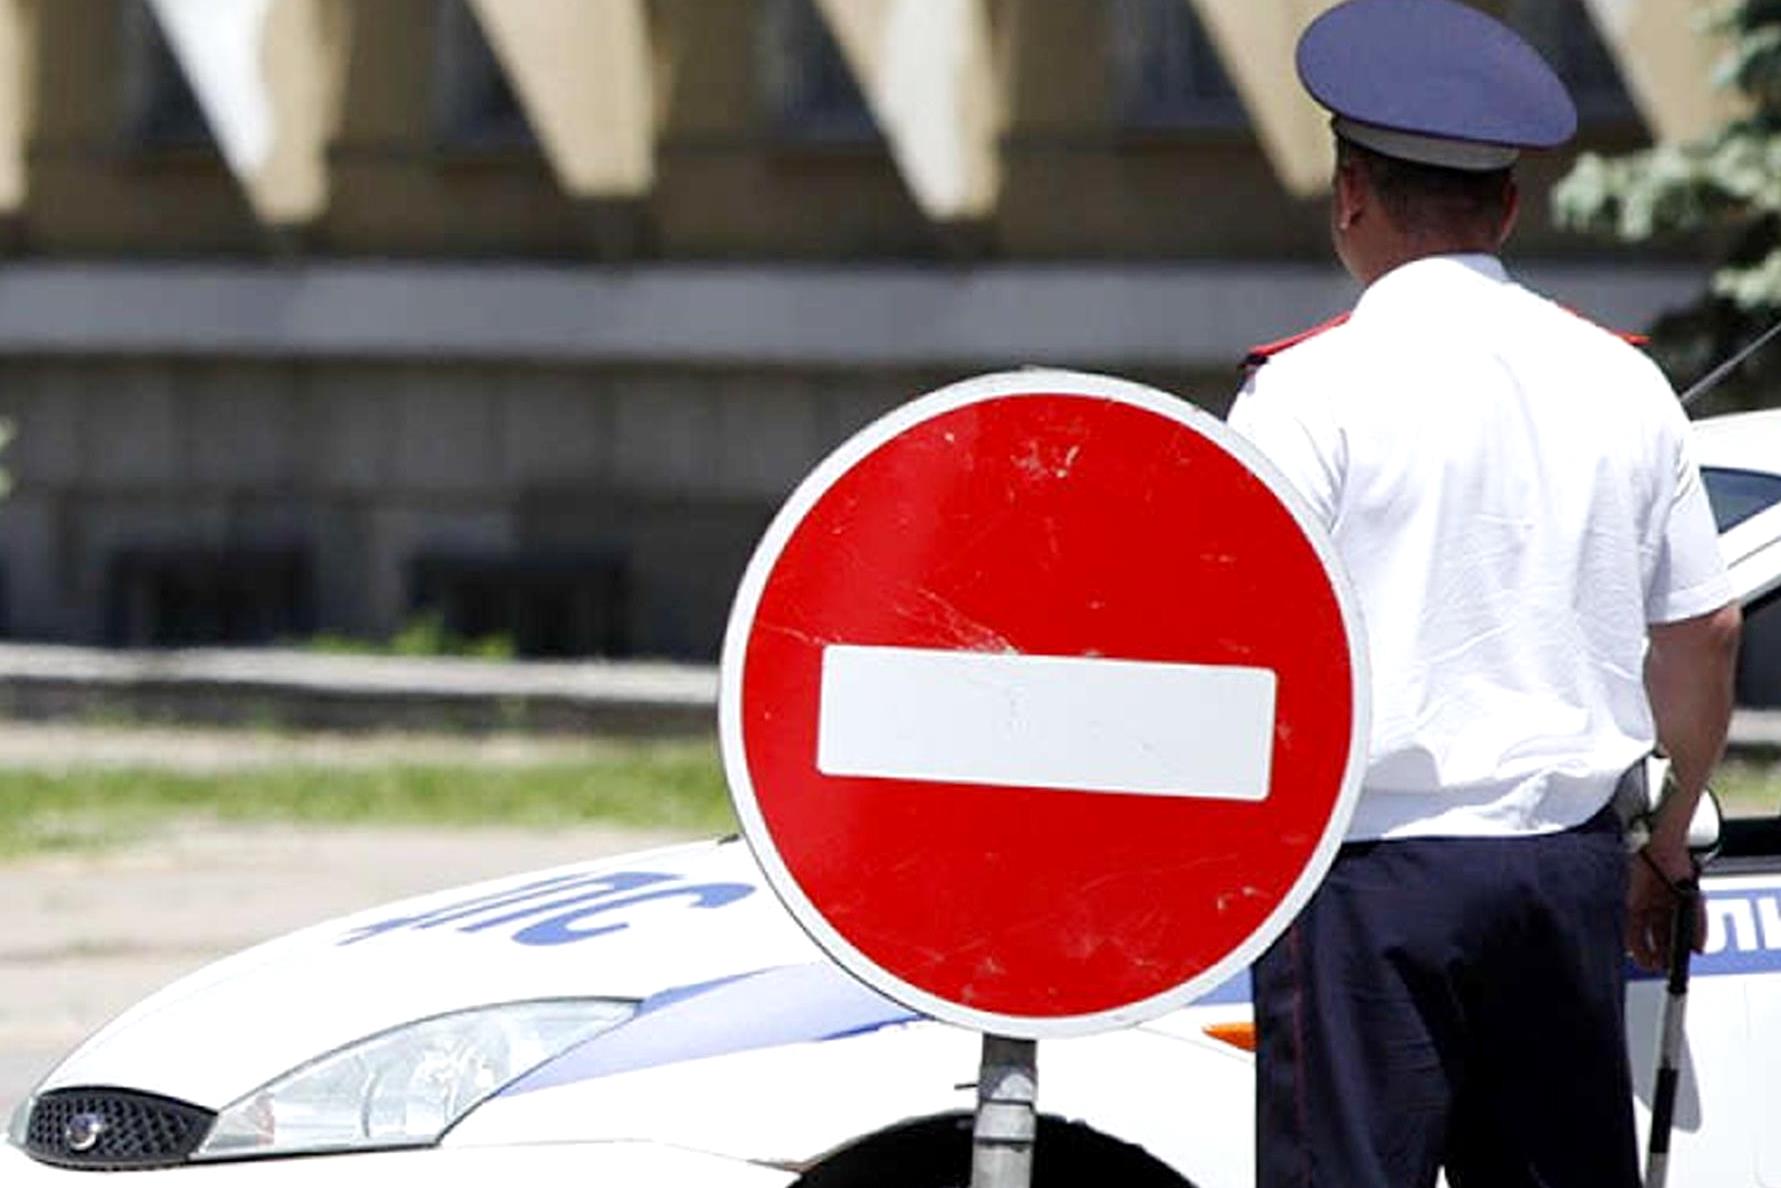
<point x="658" y="1019"/>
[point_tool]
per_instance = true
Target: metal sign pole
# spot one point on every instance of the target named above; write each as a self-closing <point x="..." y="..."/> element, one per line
<point x="1007" y="1117"/>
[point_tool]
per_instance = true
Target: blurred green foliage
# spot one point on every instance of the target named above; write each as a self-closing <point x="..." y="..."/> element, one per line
<point x="1725" y="192"/>
<point x="423" y="635"/>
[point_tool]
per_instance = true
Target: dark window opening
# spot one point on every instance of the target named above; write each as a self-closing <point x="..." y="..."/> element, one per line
<point x="161" y="111"/>
<point x="1167" y="72"/>
<point x="475" y="104"/>
<point x="188" y="597"/>
<point x="544" y="605"/>
<point x="809" y="89"/>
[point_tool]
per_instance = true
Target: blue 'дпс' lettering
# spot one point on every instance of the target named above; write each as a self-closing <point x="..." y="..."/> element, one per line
<point x="583" y="896"/>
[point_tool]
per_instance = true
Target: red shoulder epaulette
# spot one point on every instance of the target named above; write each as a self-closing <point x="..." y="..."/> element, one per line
<point x="1626" y="336"/>
<point x="1261" y="354"/>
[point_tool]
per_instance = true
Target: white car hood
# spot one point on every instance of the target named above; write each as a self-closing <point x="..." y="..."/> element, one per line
<point x="630" y="927"/>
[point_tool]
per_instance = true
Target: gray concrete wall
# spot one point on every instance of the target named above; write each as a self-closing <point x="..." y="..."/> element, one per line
<point x="366" y="465"/>
<point x="367" y="415"/>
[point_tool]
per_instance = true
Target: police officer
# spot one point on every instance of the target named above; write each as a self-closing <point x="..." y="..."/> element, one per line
<point x="1511" y="491"/>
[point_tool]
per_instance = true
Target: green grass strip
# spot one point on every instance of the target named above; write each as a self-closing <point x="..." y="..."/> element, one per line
<point x="667" y="785"/>
<point x="674" y="786"/>
<point x="1748" y="789"/>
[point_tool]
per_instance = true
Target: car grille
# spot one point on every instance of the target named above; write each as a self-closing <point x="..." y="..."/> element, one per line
<point x="114" y="1129"/>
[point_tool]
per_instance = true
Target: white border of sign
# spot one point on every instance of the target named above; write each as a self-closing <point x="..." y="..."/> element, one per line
<point x="1033" y="382"/>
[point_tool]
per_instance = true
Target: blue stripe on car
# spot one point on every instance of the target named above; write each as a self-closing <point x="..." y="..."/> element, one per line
<point x="816" y="1002"/>
<point x="787" y="1004"/>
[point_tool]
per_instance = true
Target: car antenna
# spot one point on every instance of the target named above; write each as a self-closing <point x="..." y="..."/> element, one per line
<point x="1713" y="378"/>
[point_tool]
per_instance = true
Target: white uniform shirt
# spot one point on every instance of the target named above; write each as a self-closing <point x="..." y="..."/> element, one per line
<point x="1511" y="491"/>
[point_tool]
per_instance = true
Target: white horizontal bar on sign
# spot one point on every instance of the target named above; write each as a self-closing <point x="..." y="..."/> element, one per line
<point x="1083" y="724"/>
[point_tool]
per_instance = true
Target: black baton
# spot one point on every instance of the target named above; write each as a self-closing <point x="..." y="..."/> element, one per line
<point x="1669" y="1051"/>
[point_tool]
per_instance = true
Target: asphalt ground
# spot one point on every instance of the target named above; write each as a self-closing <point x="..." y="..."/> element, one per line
<point x="89" y="933"/>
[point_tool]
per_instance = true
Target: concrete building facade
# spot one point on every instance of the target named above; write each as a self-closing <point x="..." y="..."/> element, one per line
<point x="321" y="314"/>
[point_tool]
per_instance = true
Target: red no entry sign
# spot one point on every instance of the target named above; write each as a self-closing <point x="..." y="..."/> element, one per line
<point x="1043" y="704"/>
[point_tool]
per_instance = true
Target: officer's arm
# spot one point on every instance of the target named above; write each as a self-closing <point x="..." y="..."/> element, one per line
<point x="1693" y="649"/>
<point x="1688" y="677"/>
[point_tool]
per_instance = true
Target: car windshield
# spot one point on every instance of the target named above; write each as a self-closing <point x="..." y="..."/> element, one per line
<point x="1736" y="495"/>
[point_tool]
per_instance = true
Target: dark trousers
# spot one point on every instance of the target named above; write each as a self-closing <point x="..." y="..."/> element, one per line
<point x="1451" y="1002"/>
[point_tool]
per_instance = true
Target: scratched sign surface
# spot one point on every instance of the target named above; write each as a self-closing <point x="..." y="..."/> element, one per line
<point x="1040" y="707"/>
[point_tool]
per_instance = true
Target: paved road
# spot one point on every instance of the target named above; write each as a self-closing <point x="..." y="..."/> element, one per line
<point x="87" y="935"/>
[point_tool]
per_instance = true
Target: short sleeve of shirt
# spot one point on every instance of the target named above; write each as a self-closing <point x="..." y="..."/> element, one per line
<point x="1303" y="451"/>
<point x="1688" y="578"/>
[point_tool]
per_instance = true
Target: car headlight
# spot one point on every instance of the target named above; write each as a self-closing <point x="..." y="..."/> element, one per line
<point x="406" y="1087"/>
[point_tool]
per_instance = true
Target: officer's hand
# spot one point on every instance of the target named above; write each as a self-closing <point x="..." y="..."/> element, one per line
<point x="1651" y="900"/>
